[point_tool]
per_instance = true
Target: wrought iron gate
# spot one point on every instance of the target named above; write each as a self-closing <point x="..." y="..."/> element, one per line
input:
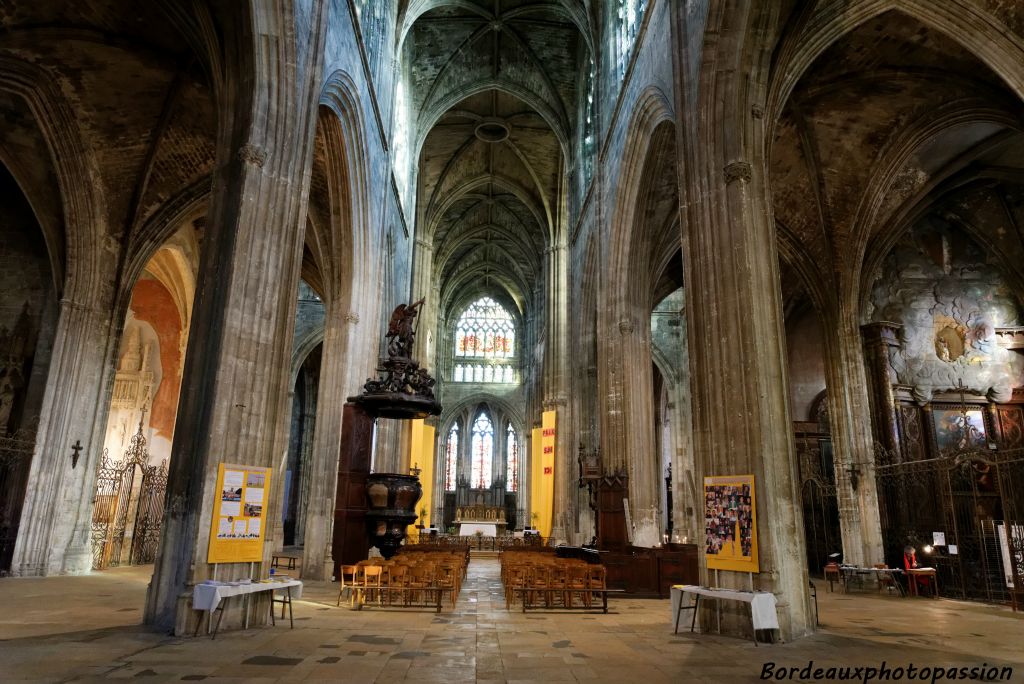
<point x="129" y="508"/>
<point x="818" y="494"/>
<point x="15" y="456"/>
<point x="975" y="498"/>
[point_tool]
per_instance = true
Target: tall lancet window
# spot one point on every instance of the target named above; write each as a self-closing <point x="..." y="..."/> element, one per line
<point x="511" y="460"/>
<point x="629" y="14"/>
<point x="482" y="448"/>
<point x="485" y="344"/>
<point x="451" y="458"/>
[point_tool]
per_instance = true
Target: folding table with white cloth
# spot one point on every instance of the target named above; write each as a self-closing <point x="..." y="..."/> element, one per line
<point x="213" y="597"/>
<point x="762" y="605"/>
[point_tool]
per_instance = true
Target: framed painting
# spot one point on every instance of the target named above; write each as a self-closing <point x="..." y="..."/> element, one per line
<point x="959" y="430"/>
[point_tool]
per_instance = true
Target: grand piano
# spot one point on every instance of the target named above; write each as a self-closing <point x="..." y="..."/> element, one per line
<point x="584" y="553"/>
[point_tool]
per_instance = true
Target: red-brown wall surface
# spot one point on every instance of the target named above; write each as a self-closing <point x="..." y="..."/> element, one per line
<point x="152" y="303"/>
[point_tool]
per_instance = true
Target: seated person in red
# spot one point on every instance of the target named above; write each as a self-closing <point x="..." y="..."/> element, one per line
<point x="910" y="563"/>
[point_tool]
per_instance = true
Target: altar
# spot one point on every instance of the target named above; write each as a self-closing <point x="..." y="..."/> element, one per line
<point x="488" y="521"/>
<point x="469" y="529"/>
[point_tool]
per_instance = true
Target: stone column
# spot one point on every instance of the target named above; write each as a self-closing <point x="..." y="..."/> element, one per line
<point x="308" y="427"/>
<point x="237" y="370"/>
<point x="628" y="417"/>
<point x="736" y="338"/>
<point x="854" y="456"/>
<point x="878" y="339"/>
<point x="54" y="534"/>
<point x="555" y="383"/>
<point x="340" y="327"/>
<point x="639" y="413"/>
<point x="423" y="286"/>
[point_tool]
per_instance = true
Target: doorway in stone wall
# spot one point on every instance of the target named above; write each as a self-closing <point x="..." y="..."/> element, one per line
<point x="818" y="494"/>
<point x="131" y="482"/>
<point x="29" y="292"/>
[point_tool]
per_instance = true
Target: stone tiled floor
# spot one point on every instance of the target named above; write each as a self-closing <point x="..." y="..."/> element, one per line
<point x="86" y="628"/>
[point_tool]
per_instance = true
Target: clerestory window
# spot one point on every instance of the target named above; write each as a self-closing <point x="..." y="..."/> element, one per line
<point x="485" y="344"/>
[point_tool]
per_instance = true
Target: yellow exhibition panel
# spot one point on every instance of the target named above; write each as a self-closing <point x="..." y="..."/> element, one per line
<point x="239" y="523"/>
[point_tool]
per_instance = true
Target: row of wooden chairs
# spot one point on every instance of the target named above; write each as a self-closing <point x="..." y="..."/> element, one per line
<point x="556" y="581"/>
<point x="410" y="578"/>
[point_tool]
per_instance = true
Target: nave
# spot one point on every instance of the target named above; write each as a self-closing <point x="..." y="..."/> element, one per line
<point x="88" y="629"/>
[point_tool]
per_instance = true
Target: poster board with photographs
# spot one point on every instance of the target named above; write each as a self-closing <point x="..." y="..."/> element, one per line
<point x="239" y="514"/>
<point x="730" y="523"/>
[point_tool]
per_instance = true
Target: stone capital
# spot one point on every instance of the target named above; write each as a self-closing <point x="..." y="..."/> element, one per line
<point x="737" y="170"/>
<point x="251" y="154"/>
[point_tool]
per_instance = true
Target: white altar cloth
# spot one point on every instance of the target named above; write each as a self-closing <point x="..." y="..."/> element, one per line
<point x="762" y="603"/>
<point x="486" y="529"/>
<point x="208" y="596"/>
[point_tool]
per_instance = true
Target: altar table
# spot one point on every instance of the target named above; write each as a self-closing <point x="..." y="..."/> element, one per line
<point x="470" y="529"/>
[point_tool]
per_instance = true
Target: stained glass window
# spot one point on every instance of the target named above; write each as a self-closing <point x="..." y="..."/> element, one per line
<point x="511" y="460"/>
<point x="589" y="138"/>
<point x="485" y="337"/>
<point x="629" y="15"/>
<point x="485" y="330"/>
<point x="451" y="458"/>
<point x="483" y="451"/>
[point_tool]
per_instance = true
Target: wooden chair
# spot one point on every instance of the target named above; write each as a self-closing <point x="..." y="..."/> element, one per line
<point x="421" y="578"/>
<point x="398" y="581"/>
<point x="558" y="579"/>
<point x="537" y="580"/>
<point x="371" y="583"/>
<point x="448" y="576"/>
<point x="833" y="574"/>
<point x="515" y="579"/>
<point x="597" y="577"/>
<point x="576" y="583"/>
<point x="348" y="582"/>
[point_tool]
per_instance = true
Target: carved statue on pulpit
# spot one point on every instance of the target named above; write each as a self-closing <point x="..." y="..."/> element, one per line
<point x="401" y="333"/>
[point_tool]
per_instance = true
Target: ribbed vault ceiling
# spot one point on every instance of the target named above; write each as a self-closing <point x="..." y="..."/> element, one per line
<point x="494" y="89"/>
<point x="894" y="120"/>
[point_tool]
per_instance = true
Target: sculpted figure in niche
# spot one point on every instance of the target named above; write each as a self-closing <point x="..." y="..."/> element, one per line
<point x="131" y="360"/>
<point x="949" y="344"/>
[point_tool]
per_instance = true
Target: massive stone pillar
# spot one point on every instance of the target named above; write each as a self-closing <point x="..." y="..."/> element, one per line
<point x="54" y="536"/>
<point x="556" y="384"/>
<point x="853" y="443"/>
<point x="305" y="459"/>
<point x="735" y="324"/>
<point x="233" y="404"/>
<point x="639" y="413"/>
<point x="340" y="329"/>
<point x="741" y="417"/>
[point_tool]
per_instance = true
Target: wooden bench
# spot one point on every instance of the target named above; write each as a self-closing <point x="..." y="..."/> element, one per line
<point x="288" y="561"/>
<point x="543" y="590"/>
